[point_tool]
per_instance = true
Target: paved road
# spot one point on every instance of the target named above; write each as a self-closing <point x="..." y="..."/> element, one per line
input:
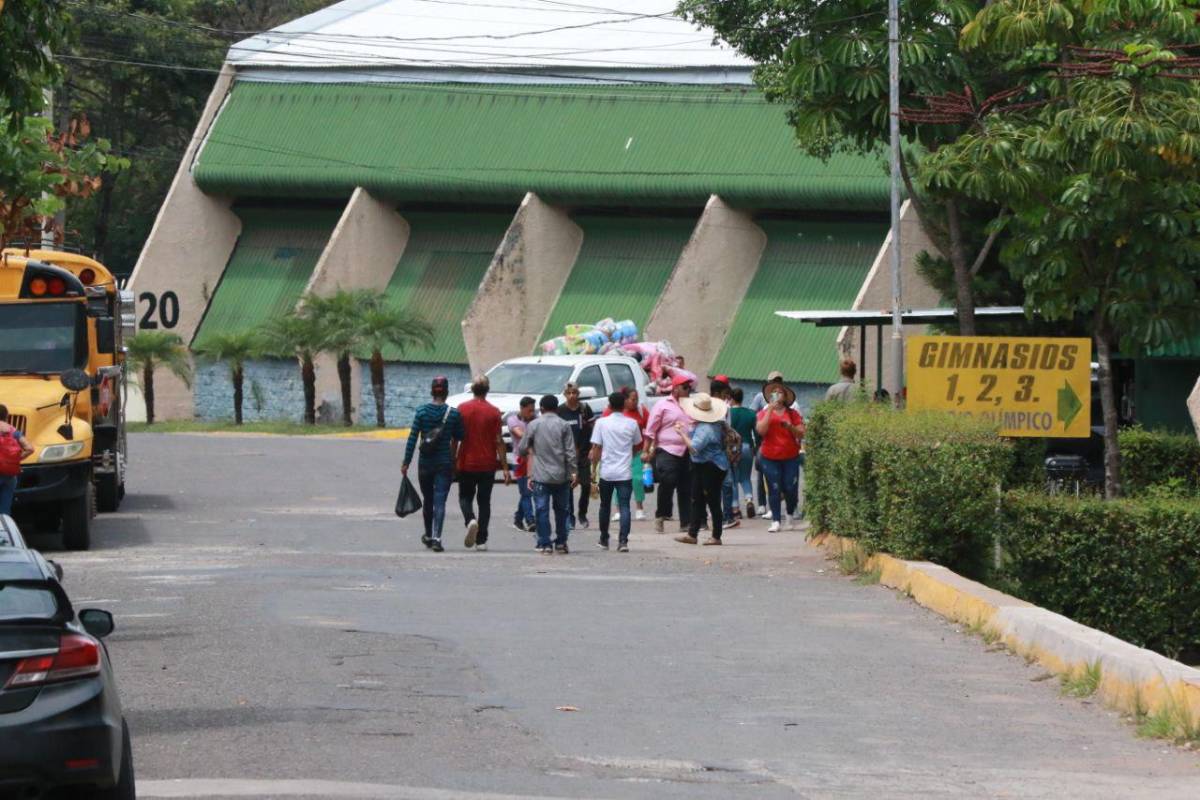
<point x="282" y="635"/>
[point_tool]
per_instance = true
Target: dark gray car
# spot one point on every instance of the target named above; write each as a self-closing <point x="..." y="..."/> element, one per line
<point x="62" y="733"/>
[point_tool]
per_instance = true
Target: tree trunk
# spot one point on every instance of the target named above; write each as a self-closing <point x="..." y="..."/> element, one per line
<point x="148" y="390"/>
<point x="343" y="368"/>
<point x="1108" y="404"/>
<point x="238" y="377"/>
<point x="964" y="296"/>
<point x="308" y="376"/>
<point x="377" y="386"/>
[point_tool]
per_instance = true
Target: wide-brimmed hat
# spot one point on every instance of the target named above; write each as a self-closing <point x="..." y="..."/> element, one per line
<point x="770" y="387"/>
<point x="704" y="407"/>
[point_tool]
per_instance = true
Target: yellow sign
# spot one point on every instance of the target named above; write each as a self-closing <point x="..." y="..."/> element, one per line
<point x="1029" y="386"/>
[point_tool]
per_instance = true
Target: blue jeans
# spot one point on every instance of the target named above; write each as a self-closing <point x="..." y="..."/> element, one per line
<point x="624" y="490"/>
<point x="741" y="474"/>
<point x="727" y="496"/>
<point x="435" y="488"/>
<point x="8" y="486"/>
<point x="545" y="495"/>
<point x="783" y="484"/>
<point x="524" y="513"/>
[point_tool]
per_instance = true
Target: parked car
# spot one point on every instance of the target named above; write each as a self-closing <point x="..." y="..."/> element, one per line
<point x="62" y="733"/>
<point x="534" y="376"/>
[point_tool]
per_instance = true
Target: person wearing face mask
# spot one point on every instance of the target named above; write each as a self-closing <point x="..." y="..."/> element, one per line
<point x="780" y="428"/>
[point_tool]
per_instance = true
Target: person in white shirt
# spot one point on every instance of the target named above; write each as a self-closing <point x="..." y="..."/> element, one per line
<point x="614" y="441"/>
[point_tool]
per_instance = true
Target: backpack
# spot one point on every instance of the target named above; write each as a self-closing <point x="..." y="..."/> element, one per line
<point x="733" y="444"/>
<point x="431" y="438"/>
<point x="10" y="455"/>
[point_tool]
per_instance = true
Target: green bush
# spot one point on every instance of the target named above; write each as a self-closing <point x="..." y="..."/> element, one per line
<point x="1158" y="462"/>
<point x="1129" y="567"/>
<point x="916" y="485"/>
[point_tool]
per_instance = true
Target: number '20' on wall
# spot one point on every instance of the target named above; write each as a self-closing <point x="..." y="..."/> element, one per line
<point x="160" y="310"/>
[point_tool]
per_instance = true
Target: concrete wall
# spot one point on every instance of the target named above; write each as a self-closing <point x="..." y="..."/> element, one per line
<point x="362" y="253"/>
<point x="186" y="253"/>
<point x="522" y="285"/>
<point x="876" y="295"/>
<point x="406" y="387"/>
<point x="697" y="306"/>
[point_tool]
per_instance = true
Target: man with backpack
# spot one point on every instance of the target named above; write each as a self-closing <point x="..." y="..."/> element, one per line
<point x="13" y="450"/>
<point x="438" y="428"/>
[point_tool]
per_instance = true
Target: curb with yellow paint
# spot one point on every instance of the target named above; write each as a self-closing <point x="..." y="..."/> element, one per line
<point x="1132" y="679"/>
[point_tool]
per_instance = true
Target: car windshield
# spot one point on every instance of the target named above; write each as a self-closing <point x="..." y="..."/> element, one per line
<point x="40" y="337"/>
<point x="26" y="602"/>
<point x="530" y="379"/>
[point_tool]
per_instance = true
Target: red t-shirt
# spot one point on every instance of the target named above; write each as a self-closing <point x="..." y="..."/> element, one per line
<point x="779" y="444"/>
<point x="481" y="426"/>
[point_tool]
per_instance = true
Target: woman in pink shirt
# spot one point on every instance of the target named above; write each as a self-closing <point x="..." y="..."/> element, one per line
<point x="668" y="453"/>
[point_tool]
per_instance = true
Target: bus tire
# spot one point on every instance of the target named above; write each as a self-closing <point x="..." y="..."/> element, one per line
<point x="109" y="492"/>
<point x="77" y="520"/>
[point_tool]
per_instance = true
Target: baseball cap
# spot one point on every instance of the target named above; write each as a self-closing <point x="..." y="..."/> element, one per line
<point x="680" y="380"/>
<point x="440" y="383"/>
<point x="721" y="378"/>
<point x="774" y="375"/>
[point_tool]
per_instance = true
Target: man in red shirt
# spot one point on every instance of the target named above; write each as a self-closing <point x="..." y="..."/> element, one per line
<point x="479" y="456"/>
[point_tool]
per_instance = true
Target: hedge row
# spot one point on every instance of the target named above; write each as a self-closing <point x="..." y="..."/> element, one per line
<point x="1157" y="462"/>
<point x="916" y="485"/>
<point x="1128" y="567"/>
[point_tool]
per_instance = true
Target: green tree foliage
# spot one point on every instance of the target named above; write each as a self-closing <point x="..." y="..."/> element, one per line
<point x="298" y="335"/>
<point x="40" y="170"/>
<point x="1098" y="167"/>
<point x="384" y="327"/>
<point x="149" y="350"/>
<point x="361" y="320"/>
<point x="148" y="106"/>
<point x="233" y="349"/>
<point x="30" y="32"/>
<point x="827" y="61"/>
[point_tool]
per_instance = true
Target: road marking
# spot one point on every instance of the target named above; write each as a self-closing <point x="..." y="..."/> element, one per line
<point x="240" y="787"/>
<point x="143" y="616"/>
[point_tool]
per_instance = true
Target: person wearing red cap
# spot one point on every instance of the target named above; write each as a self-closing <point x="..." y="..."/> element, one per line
<point x="438" y="428"/>
<point x="668" y="453"/>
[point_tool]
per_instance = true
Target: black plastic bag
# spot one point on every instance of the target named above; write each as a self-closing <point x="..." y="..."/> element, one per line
<point x="408" y="501"/>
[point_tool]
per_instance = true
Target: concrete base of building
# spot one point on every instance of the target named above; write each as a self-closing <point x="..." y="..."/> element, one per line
<point x="1133" y="680"/>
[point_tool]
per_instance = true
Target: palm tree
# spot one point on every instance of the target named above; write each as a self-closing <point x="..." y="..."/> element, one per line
<point x="149" y="350"/>
<point x="297" y="335"/>
<point x="339" y="315"/>
<point x="388" y="326"/>
<point x="234" y="349"/>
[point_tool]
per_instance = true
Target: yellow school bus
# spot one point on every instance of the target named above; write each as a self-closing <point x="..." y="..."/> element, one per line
<point x="62" y="377"/>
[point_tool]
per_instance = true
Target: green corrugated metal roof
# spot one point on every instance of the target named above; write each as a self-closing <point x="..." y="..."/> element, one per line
<point x="439" y="275"/>
<point x="269" y="268"/>
<point x="806" y="265"/>
<point x="622" y="267"/>
<point x="662" y="145"/>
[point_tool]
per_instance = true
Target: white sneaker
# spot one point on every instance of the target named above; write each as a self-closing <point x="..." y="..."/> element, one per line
<point x="616" y="517"/>
<point x="774" y="528"/>
<point x="791" y="523"/>
<point x="472" y="531"/>
<point x="640" y="516"/>
<point x="481" y="548"/>
<point x="762" y="511"/>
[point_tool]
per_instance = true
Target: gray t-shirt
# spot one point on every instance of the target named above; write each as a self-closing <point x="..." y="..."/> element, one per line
<point x="617" y="435"/>
<point x="553" y="446"/>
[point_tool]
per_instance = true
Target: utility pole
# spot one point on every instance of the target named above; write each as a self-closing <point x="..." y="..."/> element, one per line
<point x="894" y="135"/>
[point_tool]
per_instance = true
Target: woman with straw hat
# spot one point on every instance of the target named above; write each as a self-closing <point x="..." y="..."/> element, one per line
<point x="780" y="428"/>
<point x="706" y="444"/>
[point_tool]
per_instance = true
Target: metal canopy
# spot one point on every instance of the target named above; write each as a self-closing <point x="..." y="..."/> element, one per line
<point x="922" y="316"/>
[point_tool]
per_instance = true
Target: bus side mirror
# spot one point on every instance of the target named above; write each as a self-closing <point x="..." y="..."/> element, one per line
<point x="106" y="337"/>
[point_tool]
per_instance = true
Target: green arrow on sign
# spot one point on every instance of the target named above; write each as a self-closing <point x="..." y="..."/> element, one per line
<point x="1068" y="404"/>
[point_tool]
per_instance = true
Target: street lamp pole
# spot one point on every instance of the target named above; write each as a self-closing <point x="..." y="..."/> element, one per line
<point x="894" y="136"/>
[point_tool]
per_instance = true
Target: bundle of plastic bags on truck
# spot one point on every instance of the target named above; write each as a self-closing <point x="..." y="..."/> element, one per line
<point x="607" y="337"/>
<point x="581" y="340"/>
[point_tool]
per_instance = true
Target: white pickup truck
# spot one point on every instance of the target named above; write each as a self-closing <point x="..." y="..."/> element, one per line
<point x="534" y="376"/>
